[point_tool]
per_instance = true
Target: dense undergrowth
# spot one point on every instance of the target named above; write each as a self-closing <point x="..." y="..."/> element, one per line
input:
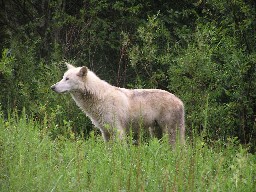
<point x="201" y="51"/>
<point x="30" y="160"/>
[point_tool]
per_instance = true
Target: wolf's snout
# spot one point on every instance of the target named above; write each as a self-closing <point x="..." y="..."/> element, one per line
<point x="53" y="88"/>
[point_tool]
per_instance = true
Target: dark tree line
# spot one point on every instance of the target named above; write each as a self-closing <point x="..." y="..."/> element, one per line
<point x="203" y="51"/>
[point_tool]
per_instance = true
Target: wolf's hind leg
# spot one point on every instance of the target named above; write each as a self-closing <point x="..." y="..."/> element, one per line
<point x="105" y="134"/>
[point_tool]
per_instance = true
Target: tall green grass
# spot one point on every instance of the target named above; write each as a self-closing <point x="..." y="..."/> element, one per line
<point x="31" y="161"/>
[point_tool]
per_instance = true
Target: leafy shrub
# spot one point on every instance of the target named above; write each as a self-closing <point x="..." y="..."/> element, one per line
<point x="204" y="52"/>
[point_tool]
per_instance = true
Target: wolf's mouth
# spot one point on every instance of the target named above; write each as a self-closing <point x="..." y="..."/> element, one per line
<point x="56" y="90"/>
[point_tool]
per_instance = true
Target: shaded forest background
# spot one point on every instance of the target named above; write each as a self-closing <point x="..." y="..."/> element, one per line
<point x="202" y="51"/>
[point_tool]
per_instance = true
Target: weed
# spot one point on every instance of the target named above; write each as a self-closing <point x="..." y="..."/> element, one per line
<point x="30" y="160"/>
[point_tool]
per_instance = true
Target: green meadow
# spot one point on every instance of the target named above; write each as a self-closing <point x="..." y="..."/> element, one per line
<point x="30" y="160"/>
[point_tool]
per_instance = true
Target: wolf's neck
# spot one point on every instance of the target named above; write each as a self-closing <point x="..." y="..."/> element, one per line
<point x="89" y="104"/>
<point x="84" y="99"/>
<point x="91" y="93"/>
<point x="95" y="86"/>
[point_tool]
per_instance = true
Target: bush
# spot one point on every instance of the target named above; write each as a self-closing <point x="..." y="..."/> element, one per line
<point x="203" y="52"/>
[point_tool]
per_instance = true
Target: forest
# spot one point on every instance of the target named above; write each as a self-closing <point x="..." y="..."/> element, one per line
<point x="202" y="51"/>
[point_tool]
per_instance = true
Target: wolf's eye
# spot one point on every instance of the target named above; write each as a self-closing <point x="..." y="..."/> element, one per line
<point x="67" y="79"/>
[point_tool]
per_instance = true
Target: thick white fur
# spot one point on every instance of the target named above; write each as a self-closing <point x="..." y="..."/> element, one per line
<point x="111" y="108"/>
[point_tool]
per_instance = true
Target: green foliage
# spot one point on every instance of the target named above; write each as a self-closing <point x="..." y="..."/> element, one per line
<point x="26" y="83"/>
<point x="6" y="63"/>
<point x="217" y="69"/>
<point x="202" y="51"/>
<point x="209" y="67"/>
<point x="152" y="49"/>
<point x="31" y="161"/>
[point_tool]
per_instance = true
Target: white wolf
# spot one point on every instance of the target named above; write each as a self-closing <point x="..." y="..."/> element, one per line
<point x="113" y="109"/>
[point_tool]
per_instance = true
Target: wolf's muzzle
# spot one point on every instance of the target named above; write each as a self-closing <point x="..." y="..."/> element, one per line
<point x="53" y="88"/>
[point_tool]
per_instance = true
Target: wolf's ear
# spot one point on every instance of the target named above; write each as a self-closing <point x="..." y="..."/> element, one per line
<point x="69" y="66"/>
<point x="83" y="71"/>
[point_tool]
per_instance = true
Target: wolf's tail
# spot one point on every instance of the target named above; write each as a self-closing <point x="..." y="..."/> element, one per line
<point x="182" y="127"/>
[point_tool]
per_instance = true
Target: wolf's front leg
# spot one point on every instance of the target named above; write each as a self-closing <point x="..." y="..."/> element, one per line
<point x="105" y="134"/>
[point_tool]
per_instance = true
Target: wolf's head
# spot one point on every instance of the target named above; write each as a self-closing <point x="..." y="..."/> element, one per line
<point x="72" y="80"/>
